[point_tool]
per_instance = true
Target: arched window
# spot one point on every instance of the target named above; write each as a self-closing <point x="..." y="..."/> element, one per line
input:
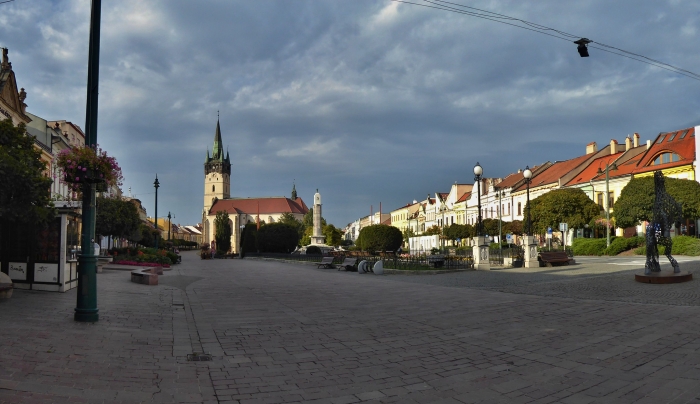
<point x="519" y="209"/>
<point x="663" y="158"/>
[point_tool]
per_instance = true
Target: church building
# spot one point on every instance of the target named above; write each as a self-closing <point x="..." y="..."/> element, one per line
<point x="241" y="210"/>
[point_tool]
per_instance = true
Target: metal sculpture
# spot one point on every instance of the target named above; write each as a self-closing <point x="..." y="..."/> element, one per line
<point x="666" y="213"/>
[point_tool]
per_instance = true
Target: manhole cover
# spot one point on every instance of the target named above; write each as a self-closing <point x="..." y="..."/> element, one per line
<point x="198" y="357"/>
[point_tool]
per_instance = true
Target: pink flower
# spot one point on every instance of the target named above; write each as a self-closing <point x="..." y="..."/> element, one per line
<point x="84" y="169"/>
<point x="77" y="178"/>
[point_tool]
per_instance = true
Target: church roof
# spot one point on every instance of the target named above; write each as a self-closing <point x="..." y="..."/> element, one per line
<point x="264" y="206"/>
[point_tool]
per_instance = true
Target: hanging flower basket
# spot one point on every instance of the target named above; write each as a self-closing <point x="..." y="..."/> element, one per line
<point x="87" y="165"/>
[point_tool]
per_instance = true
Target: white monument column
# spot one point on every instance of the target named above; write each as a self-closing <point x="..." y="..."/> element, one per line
<point x="317" y="238"/>
<point x="530" y="252"/>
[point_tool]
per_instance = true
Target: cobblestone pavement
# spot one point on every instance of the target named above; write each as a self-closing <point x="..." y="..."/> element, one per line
<point x="282" y="333"/>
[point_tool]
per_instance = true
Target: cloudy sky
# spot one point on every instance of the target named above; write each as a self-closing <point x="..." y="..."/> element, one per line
<point x="367" y="100"/>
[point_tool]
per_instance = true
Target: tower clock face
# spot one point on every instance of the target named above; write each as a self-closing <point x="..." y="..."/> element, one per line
<point x="317" y="199"/>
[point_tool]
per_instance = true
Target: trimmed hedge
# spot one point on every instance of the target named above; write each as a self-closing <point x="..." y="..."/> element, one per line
<point x="379" y="237"/>
<point x="313" y="250"/>
<point x="682" y="245"/>
<point x="277" y="238"/>
<point x="589" y="246"/>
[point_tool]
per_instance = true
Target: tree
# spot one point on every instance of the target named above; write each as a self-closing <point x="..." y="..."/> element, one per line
<point x="636" y="200"/>
<point x="459" y="231"/>
<point x="222" y="232"/>
<point x="379" y="237"/>
<point x="566" y="205"/>
<point x="278" y="238"/>
<point x="308" y="223"/>
<point x="306" y="236"/>
<point x="116" y="218"/>
<point x="434" y="230"/>
<point x="407" y="234"/>
<point x="490" y="227"/>
<point x="333" y="235"/>
<point x="24" y="189"/>
<point x="249" y="236"/>
<point x="147" y="235"/>
<point x="514" y="227"/>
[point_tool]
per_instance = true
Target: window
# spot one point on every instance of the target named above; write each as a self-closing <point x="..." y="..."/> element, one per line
<point x="600" y="199"/>
<point x="661" y="139"/>
<point x="685" y="133"/>
<point x="611" y="199"/>
<point x="519" y="209"/>
<point x="673" y="135"/>
<point x="665" y="158"/>
<point x="213" y="188"/>
<point x="509" y="208"/>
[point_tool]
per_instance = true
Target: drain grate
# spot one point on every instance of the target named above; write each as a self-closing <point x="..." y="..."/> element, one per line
<point x="199" y="357"/>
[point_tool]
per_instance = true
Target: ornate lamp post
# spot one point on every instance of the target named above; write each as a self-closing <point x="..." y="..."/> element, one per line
<point x="86" y="304"/>
<point x="477" y="178"/>
<point x="501" y="194"/>
<point x="528" y="178"/>
<point x="169" y="225"/>
<point x="607" y="197"/>
<point x="156" y="185"/>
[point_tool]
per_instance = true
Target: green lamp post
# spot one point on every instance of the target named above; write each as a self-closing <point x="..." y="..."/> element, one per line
<point x="86" y="305"/>
<point x="156" y="185"/>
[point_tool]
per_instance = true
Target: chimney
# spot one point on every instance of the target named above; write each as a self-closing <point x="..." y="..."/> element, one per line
<point x="591" y="148"/>
<point x="628" y="143"/>
<point x="5" y="60"/>
<point x="613" y="146"/>
<point x="648" y="144"/>
<point x="635" y="140"/>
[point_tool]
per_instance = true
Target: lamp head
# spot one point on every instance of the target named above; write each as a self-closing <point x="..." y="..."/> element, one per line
<point x="478" y="170"/>
<point x="582" y="47"/>
<point x="156" y="184"/>
<point x="527" y="173"/>
<point x="613" y="167"/>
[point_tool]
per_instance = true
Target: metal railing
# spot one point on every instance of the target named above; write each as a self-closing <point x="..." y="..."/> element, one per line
<point x="391" y="261"/>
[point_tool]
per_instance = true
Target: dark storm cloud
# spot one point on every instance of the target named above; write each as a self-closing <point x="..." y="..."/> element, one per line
<point x="366" y="100"/>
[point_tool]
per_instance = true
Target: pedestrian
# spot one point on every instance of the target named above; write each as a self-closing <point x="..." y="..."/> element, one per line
<point x="213" y="248"/>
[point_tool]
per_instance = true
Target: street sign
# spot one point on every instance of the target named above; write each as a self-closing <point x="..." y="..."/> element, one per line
<point x="549" y="230"/>
<point x="509" y="238"/>
<point x="563" y="226"/>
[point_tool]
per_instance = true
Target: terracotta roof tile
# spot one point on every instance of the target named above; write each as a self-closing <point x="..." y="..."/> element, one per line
<point x="264" y="206"/>
<point x="680" y="142"/>
<point x="553" y="173"/>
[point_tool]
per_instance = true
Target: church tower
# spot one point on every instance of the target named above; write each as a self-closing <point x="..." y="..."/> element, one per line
<point x="217" y="173"/>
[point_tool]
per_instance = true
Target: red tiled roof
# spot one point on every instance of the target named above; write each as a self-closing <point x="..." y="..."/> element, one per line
<point x="680" y="142"/>
<point x="553" y="173"/>
<point x="464" y="197"/>
<point x="264" y="206"/>
<point x="591" y="172"/>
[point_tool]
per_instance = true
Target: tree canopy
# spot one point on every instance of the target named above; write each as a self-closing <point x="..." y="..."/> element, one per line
<point x="222" y="232"/>
<point x="566" y="205"/>
<point x="116" y="217"/>
<point x="379" y="237"/>
<point x="277" y="238"/>
<point x="459" y="231"/>
<point x="24" y="189"/>
<point x="636" y="200"/>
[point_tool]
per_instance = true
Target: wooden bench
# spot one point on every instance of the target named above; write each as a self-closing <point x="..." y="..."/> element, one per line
<point x="551" y="258"/>
<point x="326" y="262"/>
<point x="348" y="264"/>
<point x="146" y="276"/>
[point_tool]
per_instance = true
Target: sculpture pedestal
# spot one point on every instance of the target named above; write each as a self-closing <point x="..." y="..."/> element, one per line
<point x="530" y="252"/>
<point x="480" y="252"/>
<point x="664" y="277"/>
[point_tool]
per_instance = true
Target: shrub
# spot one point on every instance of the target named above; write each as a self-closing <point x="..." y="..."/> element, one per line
<point x="620" y="244"/>
<point x="278" y="238"/>
<point x="313" y="250"/>
<point x="380" y="237"/>
<point x="589" y="246"/>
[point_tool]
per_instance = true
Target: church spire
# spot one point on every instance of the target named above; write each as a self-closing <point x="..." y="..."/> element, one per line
<point x="294" y="191"/>
<point x="218" y="151"/>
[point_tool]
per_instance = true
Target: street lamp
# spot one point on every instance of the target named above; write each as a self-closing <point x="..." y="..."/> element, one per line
<point x="501" y="194"/>
<point x="169" y="225"/>
<point x="528" y="178"/>
<point x="156" y="185"/>
<point x="477" y="178"/>
<point x="607" y="197"/>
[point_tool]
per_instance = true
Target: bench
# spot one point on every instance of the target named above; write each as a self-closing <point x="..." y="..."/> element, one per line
<point x="6" y="286"/>
<point x="348" y="264"/>
<point x="146" y="276"/>
<point x="551" y="258"/>
<point x="437" y="261"/>
<point x="326" y="262"/>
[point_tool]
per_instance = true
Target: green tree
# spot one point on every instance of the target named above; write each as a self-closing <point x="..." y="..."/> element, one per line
<point x="459" y="231"/>
<point x="514" y="227"/>
<point x="306" y="236"/>
<point x="116" y="218"/>
<point x="407" y="234"/>
<point x="379" y="237"/>
<point x="277" y="238"/>
<point x="333" y="235"/>
<point x="249" y="239"/>
<point x="308" y="223"/>
<point x="146" y="236"/>
<point x="566" y="205"/>
<point x="24" y="189"/>
<point x="490" y="227"/>
<point x="636" y="200"/>
<point x="222" y="232"/>
<point x="434" y="230"/>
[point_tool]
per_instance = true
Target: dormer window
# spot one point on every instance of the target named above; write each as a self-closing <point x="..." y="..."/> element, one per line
<point x="665" y="158"/>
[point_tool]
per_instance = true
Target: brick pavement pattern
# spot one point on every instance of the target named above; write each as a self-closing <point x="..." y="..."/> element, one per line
<point x="281" y="333"/>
